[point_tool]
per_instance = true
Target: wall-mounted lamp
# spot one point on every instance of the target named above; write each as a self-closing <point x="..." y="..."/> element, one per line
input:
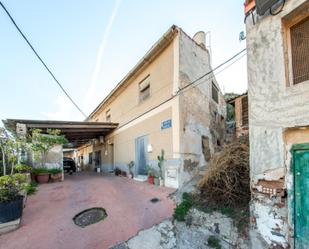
<point x="149" y="148"/>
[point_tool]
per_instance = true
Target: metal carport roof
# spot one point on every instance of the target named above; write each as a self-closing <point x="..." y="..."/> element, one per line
<point x="77" y="132"/>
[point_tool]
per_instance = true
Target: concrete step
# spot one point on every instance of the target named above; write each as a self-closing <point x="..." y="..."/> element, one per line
<point x="140" y="178"/>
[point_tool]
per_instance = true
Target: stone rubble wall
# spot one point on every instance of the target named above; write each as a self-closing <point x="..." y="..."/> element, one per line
<point x="191" y="234"/>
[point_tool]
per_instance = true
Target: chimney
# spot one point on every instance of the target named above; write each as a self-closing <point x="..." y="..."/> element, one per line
<point x="200" y="38"/>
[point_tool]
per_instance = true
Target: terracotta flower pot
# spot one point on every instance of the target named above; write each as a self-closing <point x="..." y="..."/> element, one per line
<point x="42" y="177"/>
<point x="151" y="179"/>
<point x="56" y="177"/>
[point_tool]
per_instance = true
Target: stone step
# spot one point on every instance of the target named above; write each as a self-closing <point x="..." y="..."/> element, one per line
<point x="140" y="178"/>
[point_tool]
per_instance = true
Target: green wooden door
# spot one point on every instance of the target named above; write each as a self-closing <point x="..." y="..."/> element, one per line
<point x="301" y="194"/>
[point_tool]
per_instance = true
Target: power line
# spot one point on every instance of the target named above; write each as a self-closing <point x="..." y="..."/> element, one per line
<point x="190" y="84"/>
<point x="41" y="60"/>
<point x="212" y="70"/>
<point x="223" y="69"/>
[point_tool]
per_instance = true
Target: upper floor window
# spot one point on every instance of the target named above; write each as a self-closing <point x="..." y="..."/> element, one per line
<point x="108" y="116"/>
<point x="144" y="89"/>
<point x="215" y="93"/>
<point x="299" y="35"/>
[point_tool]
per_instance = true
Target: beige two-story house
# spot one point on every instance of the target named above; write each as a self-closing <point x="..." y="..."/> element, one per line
<point x="158" y="108"/>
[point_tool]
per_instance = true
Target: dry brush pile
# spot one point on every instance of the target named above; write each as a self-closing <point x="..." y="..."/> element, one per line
<point x="226" y="182"/>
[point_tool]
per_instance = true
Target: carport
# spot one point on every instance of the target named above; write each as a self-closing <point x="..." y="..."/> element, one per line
<point x="77" y="132"/>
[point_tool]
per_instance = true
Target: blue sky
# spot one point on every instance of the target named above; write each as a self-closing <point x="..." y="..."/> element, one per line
<point x="91" y="45"/>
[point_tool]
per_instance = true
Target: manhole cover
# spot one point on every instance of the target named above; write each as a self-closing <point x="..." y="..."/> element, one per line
<point x="89" y="216"/>
<point x="154" y="200"/>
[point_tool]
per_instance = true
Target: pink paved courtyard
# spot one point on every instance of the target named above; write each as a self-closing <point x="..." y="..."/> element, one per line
<point x="47" y="219"/>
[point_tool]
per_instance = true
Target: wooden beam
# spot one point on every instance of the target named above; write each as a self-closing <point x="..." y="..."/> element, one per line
<point x="68" y="126"/>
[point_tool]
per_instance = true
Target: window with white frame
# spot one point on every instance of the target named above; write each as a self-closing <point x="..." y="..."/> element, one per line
<point x="144" y="89"/>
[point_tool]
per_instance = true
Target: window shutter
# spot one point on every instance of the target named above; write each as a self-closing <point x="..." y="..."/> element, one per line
<point x="300" y="51"/>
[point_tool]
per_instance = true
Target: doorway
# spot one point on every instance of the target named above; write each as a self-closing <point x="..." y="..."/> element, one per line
<point x="141" y="156"/>
<point x="301" y="195"/>
<point x="97" y="159"/>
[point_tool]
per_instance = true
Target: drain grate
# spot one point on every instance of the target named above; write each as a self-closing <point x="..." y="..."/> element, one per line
<point x="89" y="216"/>
<point x="154" y="200"/>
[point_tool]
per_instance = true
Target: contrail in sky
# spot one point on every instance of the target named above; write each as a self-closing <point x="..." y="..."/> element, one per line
<point x="98" y="65"/>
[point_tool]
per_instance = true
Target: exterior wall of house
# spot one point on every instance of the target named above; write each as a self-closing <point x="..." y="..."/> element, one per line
<point x="277" y="110"/>
<point x="202" y="120"/>
<point x="125" y="105"/>
<point x="197" y="122"/>
<point x="118" y="149"/>
<point x="240" y="110"/>
<point x="54" y="158"/>
<point x="84" y="152"/>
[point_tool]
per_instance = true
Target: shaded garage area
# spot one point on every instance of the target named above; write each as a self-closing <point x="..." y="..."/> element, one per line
<point x="78" y="133"/>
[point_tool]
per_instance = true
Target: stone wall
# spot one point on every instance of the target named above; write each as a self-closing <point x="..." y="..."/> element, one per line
<point x="275" y="106"/>
<point x="194" y="233"/>
<point x="202" y="120"/>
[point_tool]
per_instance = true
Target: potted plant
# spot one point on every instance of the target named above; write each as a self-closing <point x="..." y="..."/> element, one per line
<point x="117" y="172"/>
<point x="24" y="169"/>
<point x="43" y="143"/>
<point x="160" y="165"/>
<point x="130" y="166"/>
<point x="55" y="174"/>
<point x="11" y="201"/>
<point x="41" y="174"/>
<point x="150" y="174"/>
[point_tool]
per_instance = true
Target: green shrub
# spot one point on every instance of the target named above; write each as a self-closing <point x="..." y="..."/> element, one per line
<point x="11" y="185"/>
<point x="55" y="171"/>
<point x="214" y="242"/>
<point x="40" y="170"/>
<point x="22" y="168"/>
<point x="183" y="208"/>
<point x="32" y="188"/>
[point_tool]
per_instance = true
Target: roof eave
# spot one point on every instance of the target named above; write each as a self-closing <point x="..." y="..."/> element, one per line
<point x="156" y="49"/>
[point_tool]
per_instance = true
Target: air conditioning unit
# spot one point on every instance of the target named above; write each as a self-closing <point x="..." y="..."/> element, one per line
<point x="263" y="5"/>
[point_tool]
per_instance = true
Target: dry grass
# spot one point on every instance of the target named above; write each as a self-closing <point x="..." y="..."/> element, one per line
<point x="226" y="182"/>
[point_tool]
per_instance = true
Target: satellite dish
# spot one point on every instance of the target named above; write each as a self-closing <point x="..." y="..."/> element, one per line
<point x="263" y="5"/>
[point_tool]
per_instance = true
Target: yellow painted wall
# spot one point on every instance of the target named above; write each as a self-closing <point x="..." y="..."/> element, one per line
<point x="125" y="105"/>
<point x="124" y="141"/>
